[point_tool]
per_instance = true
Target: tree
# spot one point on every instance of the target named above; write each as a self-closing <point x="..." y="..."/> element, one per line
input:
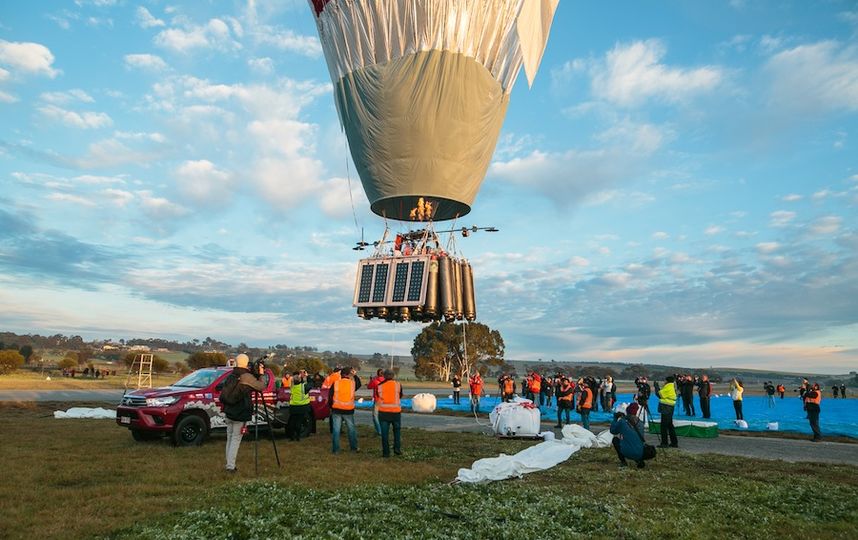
<point x="68" y="363"/>
<point x="71" y="355"/>
<point x="27" y="352"/>
<point x="159" y="365"/>
<point x="10" y="361"/>
<point x="312" y="365"/>
<point x="84" y="354"/>
<point x="442" y="349"/>
<point x="201" y="359"/>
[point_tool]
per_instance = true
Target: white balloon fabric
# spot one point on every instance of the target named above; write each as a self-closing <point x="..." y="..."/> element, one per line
<point x="518" y="418"/>
<point x="741" y="424"/>
<point x="536" y="458"/>
<point x="423" y="403"/>
<point x="772" y="426"/>
<point x="86" y="412"/>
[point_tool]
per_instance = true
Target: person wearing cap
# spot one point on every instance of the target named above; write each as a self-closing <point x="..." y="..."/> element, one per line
<point x="390" y="413"/>
<point x="238" y="414"/>
<point x="628" y="434"/>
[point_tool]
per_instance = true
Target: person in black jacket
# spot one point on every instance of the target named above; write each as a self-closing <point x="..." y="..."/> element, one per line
<point x="241" y="411"/>
<point x="704" y="391"/>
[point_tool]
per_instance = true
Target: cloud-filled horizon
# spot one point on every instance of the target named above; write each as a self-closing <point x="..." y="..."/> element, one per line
<point x="679" y="186"/>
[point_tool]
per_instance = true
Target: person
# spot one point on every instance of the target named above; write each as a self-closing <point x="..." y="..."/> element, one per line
<point x="585" y="404"/>
<point x="508" y="388"/>
<point x="643" y="394"/>
<point x="805" y="386"/>
<point x="686" y="386"/>
<point x="299" y="403"/>
<point x="390" y="413"/>
<point x="835" y="390"/>
<point x="239" y="413"/>
<point x="843" y="390"/>
<point x="704" y="392"/>
<point x="812" y="399"/>
<point x="457" y="388"/>
<point x="628" y="438"/>
<point x="332" y="377"/>
<point x="548" y="390"/>
<point x="770" y="393"/>
<point x="475" y="385"/>
<point x="594" y="386"/>
<point x="781" y="390"/>
<point x="342" y="403"/>
<point x="373" y="385"/>
<point x="565" y="396"/>
<point x="666" y="402"/>
<point x="536" y="387"/>
<point x="286" y="380"/>
<point x="736" y="392"/>
<point x="610" y="393"/>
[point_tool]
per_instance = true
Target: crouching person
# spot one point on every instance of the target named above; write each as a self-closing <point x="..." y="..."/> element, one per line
<point x="629" y="437"/>
<point x="237" y="405"/>
<point x="390" y="413"/>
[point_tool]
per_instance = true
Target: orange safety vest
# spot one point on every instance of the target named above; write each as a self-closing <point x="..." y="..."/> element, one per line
<point x="331" y="379"/>
<point x="507" y="386"/>
<point x="587" y="399"/>
<point x="536" y="385"/>
<point x="817" y="399"/>
<point x="344" y="395"/>
<point x="567" y="397"/>
<point x="476" y="384"/>
<point x="286" y="381"/>
<point x="389" y="394"/>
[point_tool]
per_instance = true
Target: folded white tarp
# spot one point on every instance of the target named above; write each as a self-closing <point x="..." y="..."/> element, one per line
<point x="536" y="458"/>
<point x="518" y="418"/>
<point x="85" y="412"/>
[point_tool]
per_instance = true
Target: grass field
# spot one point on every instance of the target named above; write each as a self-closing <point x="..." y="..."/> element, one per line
<point x="88" y="478"/>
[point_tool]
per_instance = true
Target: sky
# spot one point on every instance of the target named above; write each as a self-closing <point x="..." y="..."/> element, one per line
<point x="679" y="186"/>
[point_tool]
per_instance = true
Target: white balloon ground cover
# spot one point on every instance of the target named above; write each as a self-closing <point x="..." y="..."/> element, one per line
<point x="86" y="412"/>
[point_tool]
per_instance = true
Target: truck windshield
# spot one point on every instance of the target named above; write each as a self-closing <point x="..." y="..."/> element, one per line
<point x="199" y="379"/>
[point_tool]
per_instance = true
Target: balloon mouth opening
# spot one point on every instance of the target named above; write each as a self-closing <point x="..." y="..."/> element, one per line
<point x="400" y="208"/>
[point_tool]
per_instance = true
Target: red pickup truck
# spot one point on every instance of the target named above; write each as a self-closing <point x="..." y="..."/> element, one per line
<point x="190" y="409"/>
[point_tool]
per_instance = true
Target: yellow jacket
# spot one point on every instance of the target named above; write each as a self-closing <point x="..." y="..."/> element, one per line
<point x="667" y="394"/>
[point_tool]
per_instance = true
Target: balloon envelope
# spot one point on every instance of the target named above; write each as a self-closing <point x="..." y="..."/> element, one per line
<point x="422" y="87"/>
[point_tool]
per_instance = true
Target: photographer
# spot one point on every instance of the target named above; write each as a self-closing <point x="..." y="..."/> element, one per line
<point x="299" y="404"/>
<point x="629" y="436"/>
<point x="238" y="405"/>
<point x="666" y="402"/>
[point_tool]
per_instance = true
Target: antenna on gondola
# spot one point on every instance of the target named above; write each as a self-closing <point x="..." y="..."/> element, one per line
<point x="360" y="246"/>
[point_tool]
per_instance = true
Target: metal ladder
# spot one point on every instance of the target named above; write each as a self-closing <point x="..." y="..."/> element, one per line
<point x="141" y="369"/>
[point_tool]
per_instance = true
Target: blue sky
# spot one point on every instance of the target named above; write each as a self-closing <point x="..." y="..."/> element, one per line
<point x="680" y="185"/>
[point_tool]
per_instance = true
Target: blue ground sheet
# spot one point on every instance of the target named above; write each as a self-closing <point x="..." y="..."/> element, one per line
<point x="838" y="416"/>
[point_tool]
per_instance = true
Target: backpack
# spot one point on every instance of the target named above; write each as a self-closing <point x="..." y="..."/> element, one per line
<point x="230" y="394"/>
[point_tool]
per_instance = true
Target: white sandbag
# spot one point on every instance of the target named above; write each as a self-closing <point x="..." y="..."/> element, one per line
<point x="86" y="412"/>
<point x="772" y="426"/>
<point x="515" y="419"/>
<point x="423" y="403"/>
<point x="741" y="424"/>
<point x="547" y="436"/>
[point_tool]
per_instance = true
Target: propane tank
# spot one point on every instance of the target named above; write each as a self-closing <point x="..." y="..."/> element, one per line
<point x="382" y="312"/>
<point x="361" y="312"/>
<point x="417" y="313"/>
<point x="445" y="282"/>
<point x="470" y="303"/>
<point x="430" y="309"/>
<point x="457" y="289"/>
<point x="404" y="314"/>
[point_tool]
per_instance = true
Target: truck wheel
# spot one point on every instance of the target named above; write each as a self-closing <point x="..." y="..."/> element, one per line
<point x="189" y="431"/>
<point x="308" y="426"/>
<point x="143" y="436"/>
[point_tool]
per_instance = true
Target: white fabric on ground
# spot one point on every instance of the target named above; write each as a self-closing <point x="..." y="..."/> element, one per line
<point x="424" y="403"/>
<point x="517" y="418"/>
<point x="86" y="412"/>
<point x="536" y="458"/>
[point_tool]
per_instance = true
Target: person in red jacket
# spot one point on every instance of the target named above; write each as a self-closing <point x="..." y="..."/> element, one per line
<point x="475" y="382"/>
<point x="373" y="385"/>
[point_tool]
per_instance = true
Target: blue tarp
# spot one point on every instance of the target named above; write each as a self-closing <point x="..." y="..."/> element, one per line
<point x="838" y="417"/>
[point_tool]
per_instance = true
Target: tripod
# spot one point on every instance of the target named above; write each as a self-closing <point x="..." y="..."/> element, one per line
<point x="267" y="416"/>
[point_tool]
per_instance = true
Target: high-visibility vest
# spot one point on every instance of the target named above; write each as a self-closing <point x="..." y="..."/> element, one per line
<point x="298" y="396"/>
<point x="536" y="385"/>
<point x="344" y="395"/>
<point x="507" y="386"/>
<point x="331" y="379"/>
<point x="667" y="394"/>
<point x="587" y="398"/>
<point x="476" y="384"/>
<point x="817" y="400"/>
<point x="389" y="392"/>
<point x="286" y="381"/>
<point x="567" y="397"/>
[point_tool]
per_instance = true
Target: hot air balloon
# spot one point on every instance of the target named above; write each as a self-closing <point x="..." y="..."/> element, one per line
<point x="421" y="89"/>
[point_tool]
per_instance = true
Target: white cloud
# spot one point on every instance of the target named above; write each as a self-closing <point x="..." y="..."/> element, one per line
<point x="158" y="207"/>
<point x="94" y="180"/>
<point x="204" y="183"/>
<point x="7" y="98"/>
<point x="215" y="34"/>
<point x="68" y="197"/>
<point x="633" y="74"/>
<point x="288" y="40"/>
<point x="118" y="197"/>
<point x="826" y="225"/>
<point x="4" y="75"/>
<point x="282" y="136"/>
<point x="264" y="66"/>
<point x="792" y="197"/>
<point x="28" y="57"/>
<point x="146" y="19"/>
<point x="84" y="120"/>
<point x="713" y="230"/>
<point x="781" y="218"/>
<point x="336" y="201"/>
<point x="579" y="261"/>
<point x="817" y="77"/>
<point x="821" y="194"/>
<point x="767" y="247"/>
<point x="69" y="96"/>
<point x="287" y="182"/>
<point x="149" y="62"/>
<point x="660" y="235"/>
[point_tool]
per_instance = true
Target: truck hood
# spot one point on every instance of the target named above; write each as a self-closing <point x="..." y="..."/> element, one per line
<point x="164" y="391"/>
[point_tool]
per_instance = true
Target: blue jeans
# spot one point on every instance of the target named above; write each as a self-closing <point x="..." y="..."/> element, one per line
<point x="375" y="419"/>
<point x="338" y="420"/>
<point x="385" y="433"/>
<point x="585" y="418"/>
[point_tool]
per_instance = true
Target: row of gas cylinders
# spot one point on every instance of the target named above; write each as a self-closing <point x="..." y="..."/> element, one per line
<point x="449" y="296"/>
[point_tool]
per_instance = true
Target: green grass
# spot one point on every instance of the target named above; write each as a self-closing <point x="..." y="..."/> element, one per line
<point x="88" y="478"/>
